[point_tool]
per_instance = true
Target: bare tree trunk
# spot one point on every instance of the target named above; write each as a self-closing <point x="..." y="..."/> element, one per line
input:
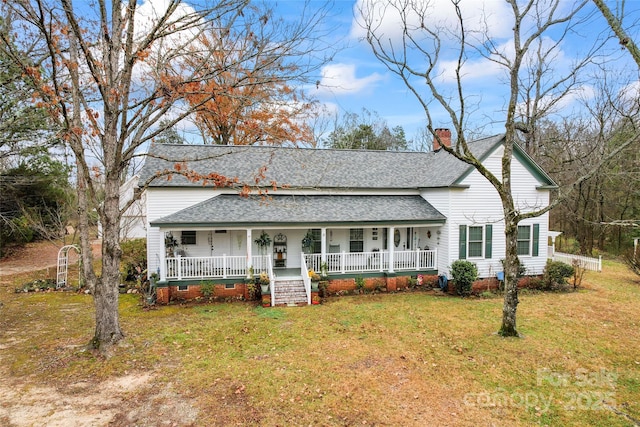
<point x="511" y="263"/>
<point x="86" y="252"/>
<point x="106" y="296"/>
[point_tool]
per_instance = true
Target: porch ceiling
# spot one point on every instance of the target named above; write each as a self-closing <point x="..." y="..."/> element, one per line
<point x="236" y="211"/>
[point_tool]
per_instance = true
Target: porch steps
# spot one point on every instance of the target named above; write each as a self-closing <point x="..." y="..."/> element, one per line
<point x="290" y="292"/>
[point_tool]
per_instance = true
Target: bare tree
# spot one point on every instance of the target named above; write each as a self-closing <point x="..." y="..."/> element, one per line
<point x="417" y="55"/>
<point x="579" y="142"/>
<point x="111" y="71"/>
<point x="615" y="22"/>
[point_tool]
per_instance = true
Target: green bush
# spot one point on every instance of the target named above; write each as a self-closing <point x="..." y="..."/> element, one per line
<point x="556" y="274"/>
<point x="464" y="273"/>
<point x="133" y="264"/>
<point x="412" y="282"/>
<point x="253" y="291"/>
<point x="207" y="289"/>
<point x="323" y="288"/>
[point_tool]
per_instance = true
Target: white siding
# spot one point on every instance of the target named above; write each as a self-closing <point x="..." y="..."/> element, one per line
<point x="476" y="202"/>
<point x="133" y="221"/>
<point x="440" y="198"/>
<point x="479" y="204"/>
<point x="165" y="201"/>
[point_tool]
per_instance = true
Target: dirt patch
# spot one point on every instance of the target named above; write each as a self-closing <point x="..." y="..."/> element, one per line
<point x="129" y="400"/>
<point x="137" y="399"/>
<point x="39" y="256"/>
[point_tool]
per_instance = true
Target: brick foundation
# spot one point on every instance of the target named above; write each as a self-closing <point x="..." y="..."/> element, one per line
<point x="490" y="284"/>
<point x="172" y="292"/>
<point x="391" y="283"/>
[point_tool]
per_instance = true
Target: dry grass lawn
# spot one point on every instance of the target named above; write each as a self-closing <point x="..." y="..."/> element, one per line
<point x="387" y="360"/>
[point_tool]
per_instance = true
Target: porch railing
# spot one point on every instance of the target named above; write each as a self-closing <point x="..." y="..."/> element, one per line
<point x="352" y="262"/>
<point x="304" y="270"/>
<point x="220" y="267"/>
<point x="272" y="278"/>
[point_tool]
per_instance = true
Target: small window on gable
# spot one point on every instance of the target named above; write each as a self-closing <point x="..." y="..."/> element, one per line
<point x="188" y="238"/>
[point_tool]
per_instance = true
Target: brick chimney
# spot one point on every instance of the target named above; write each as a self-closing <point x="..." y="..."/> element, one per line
<point x="445" y="137"/>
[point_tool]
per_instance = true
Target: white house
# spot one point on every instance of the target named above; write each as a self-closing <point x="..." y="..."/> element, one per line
<point x="133" y="223"/>
<point x="348" y="213"/>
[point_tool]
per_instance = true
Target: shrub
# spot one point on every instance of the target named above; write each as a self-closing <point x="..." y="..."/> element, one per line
<point x="133" y="264"/>
<point x="532" y="282"/>
<point x="556" y="274"/>
<point x="578" y="274"/>
<point x="323" y="288"/>
<point x="464" y="273"/>
<point x="412" y="282"/>
<point x="359" y="284"/>
<point x="207" y="289"/>
<point x="253" y="291"/>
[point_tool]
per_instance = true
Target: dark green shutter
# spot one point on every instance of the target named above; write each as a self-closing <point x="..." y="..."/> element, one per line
<point x="536" y="239"/>
<point x="462" y="253"/>
<point x="488" y="236"/>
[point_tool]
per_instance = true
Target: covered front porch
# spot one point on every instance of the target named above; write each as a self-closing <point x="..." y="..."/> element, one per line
<point x="228" y="237"/>
<point x="227" y="267"/>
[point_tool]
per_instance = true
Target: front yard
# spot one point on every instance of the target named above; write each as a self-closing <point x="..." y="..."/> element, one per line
<point x="387" y="359"/>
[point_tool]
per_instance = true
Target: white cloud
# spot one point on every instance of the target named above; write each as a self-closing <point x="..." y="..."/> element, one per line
<point x="630" y="92"/>
<point x="186" y="22"/>
<point x="471" y="70"/>
<point x="341" y="79"/>
<point x="479" y="16"/>
<point x="555" y="105"/>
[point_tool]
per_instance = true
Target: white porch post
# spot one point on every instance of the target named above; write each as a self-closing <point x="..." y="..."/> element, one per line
<point x="249" y="255"/>
<point x="163" y="258"/>
<point x="391" y="244"/>
<point x="323" y="245"/>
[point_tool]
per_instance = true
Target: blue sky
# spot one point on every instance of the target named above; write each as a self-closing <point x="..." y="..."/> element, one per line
<point x="355" y="79"/>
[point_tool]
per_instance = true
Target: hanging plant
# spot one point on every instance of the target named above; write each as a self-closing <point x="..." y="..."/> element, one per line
<point x="307" y="240"/>
<point x="170" y="241"/>
<point x="263" y="240"/>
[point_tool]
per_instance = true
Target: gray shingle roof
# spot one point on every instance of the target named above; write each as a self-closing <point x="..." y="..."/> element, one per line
<point x="233" y="210"/>
<point x="311" y="168"/>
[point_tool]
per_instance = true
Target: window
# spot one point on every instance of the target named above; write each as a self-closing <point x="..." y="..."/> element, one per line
<point x="356" y="240"/>
<point x="316" y="240"/>
<point x="188" y="238"/>
<point x="229" y="285"/>
<point x="475" y="241"/>
<point x="183" y="287"/>
<point x="524" y="240"/>
<point x="529" y="239"/>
